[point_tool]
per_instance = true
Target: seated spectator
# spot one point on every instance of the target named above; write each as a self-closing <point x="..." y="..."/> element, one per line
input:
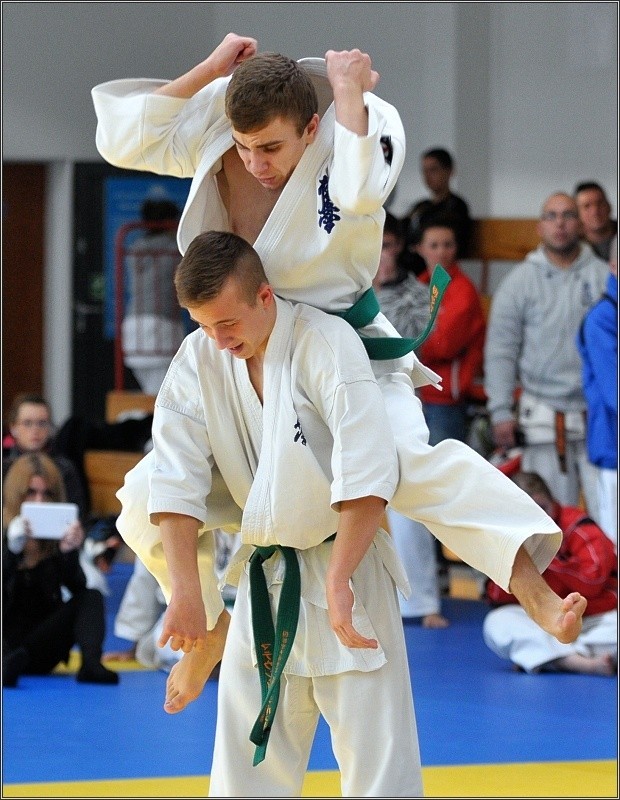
<point x="587" y="563"/>
<point x="404" y="300"/>
<point x="32" y="432"/>
<point x="30" y="424"/>
<point x="597" y="343"/>
<point x="594" y="209"/>
<point x="438" y="169"/>
<point x="454" y="348"/>
<point x="47" y="607"/>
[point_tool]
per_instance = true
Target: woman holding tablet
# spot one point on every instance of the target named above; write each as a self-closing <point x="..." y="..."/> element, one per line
<point x="47" y="608"/>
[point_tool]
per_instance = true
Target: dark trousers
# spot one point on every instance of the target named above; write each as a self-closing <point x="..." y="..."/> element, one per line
<point x="79" y="621"/>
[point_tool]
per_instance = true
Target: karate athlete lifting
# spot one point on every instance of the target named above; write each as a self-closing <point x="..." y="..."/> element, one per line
<point x="282" y="398"/>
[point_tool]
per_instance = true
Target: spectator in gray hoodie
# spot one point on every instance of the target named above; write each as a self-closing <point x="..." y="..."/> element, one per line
<point x="532" y="369"/>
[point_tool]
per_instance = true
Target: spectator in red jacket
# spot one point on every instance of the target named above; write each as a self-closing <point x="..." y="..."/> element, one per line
<point x="454" y="348"/>
<point x="586" y="562"/>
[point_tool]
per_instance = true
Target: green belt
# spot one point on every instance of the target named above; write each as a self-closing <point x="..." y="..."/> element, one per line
<point x="272" y="645"/>
<point x="364" y="310"/>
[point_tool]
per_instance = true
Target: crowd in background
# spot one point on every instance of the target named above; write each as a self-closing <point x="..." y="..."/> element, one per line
<point x="539" y="367"/>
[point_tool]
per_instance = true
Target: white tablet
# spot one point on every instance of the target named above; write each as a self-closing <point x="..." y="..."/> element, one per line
<point x="49" y="520"/>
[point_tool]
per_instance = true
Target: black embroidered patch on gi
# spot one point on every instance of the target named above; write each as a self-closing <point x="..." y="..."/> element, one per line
<point x="388" y="150"/>
<point x="328" y="215"/>
<point x="299" y="436"/>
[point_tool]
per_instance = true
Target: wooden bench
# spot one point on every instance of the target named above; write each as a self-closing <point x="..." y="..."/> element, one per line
<point x="496" y="239"/>
<point x="500" y="239"/>
<point x="106" y="469"/>
<point x="119" y="402"/>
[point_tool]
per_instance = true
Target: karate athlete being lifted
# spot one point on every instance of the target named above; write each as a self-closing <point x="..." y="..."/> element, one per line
<point x="298" y="159"/>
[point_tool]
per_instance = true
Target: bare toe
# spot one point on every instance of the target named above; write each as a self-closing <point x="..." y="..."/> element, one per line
<point x="435" y="621"/>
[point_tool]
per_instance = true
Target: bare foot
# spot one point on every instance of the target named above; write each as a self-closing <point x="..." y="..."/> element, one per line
<point x="560" y="618"/>
<point x="435" y="621"/>
<point x="568" y="622"/>
<point x="122" y="655"/>
<point x="588" y="665"/>
<point x="187" y="678"/>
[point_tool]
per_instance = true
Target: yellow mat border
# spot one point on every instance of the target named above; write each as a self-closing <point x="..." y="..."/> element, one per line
<point x="545" y="779"/>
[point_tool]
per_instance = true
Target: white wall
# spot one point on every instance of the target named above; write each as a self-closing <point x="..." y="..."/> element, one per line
<point x="554" y="101"/>
<point x="524" y="94"/>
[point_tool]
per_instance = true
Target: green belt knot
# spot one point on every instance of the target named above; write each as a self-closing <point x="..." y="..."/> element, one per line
<point x="364" y="310"/>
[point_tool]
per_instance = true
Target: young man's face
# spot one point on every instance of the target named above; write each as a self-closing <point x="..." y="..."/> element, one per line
<point x="436" y="176"/>
<point x="32" y="427"/>
<point x="271" y="153"/>
<point x="437" y="246"/>
<point x="233" y="323"/>
<point x="593" y="210"/>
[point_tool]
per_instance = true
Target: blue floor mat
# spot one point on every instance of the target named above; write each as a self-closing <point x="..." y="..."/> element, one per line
<point x="471" y="709"/>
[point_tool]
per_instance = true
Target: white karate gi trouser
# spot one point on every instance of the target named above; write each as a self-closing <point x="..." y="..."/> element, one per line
<point x="512" y="635"/>
<point x="463" y="500"/>
<point x="370" y="714"/>
<point x="416" y="548"/>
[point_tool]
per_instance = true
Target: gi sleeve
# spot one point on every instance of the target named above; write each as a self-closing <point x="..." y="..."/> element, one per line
<point x="343" y="389"/>
<point x="364" y="461"/>
<point x="181" y="476"/>
<point x="138" y="129"/>
<point x="365" y="168"/>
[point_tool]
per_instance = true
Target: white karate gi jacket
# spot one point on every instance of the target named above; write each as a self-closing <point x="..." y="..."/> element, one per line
<point x="327" y="439"/>
<point x="322" y="242"/>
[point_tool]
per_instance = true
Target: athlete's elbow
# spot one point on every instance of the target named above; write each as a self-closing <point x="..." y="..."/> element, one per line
<point x="358" y="203"/>
<point x="113" y="149"/>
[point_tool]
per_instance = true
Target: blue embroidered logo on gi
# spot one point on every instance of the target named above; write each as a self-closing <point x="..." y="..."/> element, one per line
<point x="327" y="213"/>
<point x="299" y="436"/>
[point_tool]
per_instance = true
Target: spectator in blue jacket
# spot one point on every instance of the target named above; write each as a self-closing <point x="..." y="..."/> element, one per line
<point x="597" y="342"/>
